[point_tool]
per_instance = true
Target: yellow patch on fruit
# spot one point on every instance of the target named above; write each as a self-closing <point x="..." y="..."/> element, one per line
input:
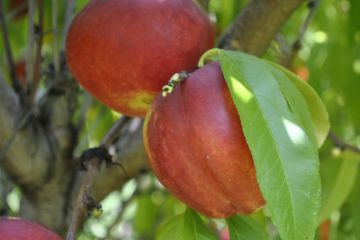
<point x="139" y="101"/>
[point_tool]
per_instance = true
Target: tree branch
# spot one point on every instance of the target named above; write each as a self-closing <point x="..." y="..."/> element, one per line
<point x="8" y="52"/>
<point x="38" y="32"/>
<point x="70" y="5"/>
<point x="290" y="53"/>
<point x="85" y="192"/>
<point x="22" y="147"/>
<point x="257" y="25"/>
<point x="342" y="144"/>
<point x="30" y="45"/>
<point x="204" y="4"/>
<point x="287" y="60"/>
<point x="130" y="153"/>
<point x="56" y="50"/>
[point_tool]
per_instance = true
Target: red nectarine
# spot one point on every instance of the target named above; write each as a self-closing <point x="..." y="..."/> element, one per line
<point x="197" y="148"/>
<point x="124" y="51"/>
<point x="19" y="229"/>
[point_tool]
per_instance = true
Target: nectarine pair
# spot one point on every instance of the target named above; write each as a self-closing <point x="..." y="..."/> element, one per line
<point x="123" y="52"/>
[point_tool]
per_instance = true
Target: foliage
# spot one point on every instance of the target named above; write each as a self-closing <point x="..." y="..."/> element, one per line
<point x="280" y="141"/>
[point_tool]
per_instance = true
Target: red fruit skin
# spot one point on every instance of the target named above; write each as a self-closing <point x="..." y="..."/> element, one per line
<point x="197" y="148"/>
<point x="124" y="51"/>
<point x="224" y="234"/>
<point x="21" y="8"/>
<point x="19" y="229"/>
<point x="303" y="73"/>
<point x="20" y="70"/>
<point x="325" y="230"/>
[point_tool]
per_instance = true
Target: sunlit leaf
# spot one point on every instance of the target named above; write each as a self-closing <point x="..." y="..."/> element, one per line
<point x="319" y="115"/>
<point x="296" y="102"/>
<point x="285" y="158"/>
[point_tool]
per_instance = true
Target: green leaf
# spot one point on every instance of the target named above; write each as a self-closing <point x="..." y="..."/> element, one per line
<point x="172" y="229"/>
<point x="286" y="160"/>
<point x="146" y="215"/>
<point x="194" y="227"/>
<point x="338" y="175"/>
<point x="245" y="228"/>
<point x="354" y="204"/>
<point x="187" y="226"/>
<point x="319" y="115"/>
<point x="296" y="102"/>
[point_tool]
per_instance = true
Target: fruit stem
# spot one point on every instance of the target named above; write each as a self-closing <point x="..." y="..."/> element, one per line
<point x="175" y="80"/>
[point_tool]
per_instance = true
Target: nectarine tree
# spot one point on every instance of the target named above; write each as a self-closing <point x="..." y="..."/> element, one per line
<point x="231" y="142"/>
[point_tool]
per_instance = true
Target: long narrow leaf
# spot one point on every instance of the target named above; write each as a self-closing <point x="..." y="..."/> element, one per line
<point x="296" y="102"/>
<point x="339" y="175"/>
<point x="355" y="207"/>
<point x="285" y="158"/>
<point x="319" y="115"/>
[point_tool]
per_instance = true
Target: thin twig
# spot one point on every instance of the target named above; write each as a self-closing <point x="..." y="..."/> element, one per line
<point x="296" y="46"/>
<point x="56" y="55"/>
<point x="70" y="5"/>
<point x="81" y="206"/>
<point x="39" y="28"/>
<point x="342" y="144"/>
<point x="30" y="44"/>
<point x="204" y="4"/>
<point x="9" y="57"/>
<point x="114" y="131"/>
<point x="86" y="103"/>
<point x="289" y="55"/>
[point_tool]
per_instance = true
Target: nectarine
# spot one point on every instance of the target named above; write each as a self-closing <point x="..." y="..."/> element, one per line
<point x="197" y="148"/>
<point x="19" y="229"/>
<point x="124" y="51"/>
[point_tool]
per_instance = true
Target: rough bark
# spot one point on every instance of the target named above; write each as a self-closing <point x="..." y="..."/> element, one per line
<point x="258" y="23"/>
<point x="23" y="145"/>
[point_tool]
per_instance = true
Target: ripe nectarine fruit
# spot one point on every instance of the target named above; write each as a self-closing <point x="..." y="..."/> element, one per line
<point x="124" y="51"/>
<point x="197" y="149"/>
<point x="19" y="229"/>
